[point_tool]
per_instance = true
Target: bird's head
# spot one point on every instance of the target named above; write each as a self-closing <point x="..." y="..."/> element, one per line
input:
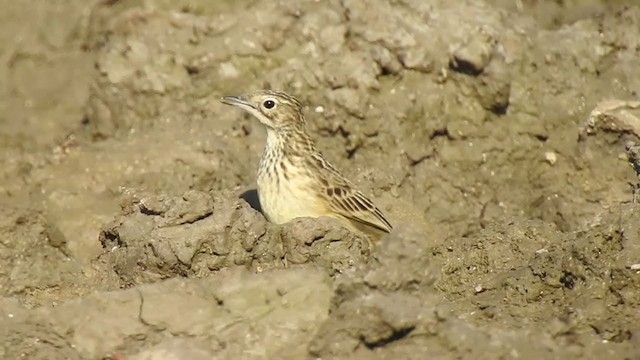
<point x="275" y="109"/>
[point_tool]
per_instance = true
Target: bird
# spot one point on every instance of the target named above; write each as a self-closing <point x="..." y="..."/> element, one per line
<point x="294" y="179"/>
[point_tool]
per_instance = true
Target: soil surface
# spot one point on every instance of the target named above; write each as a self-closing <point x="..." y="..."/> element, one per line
<point x="492" y="133"/>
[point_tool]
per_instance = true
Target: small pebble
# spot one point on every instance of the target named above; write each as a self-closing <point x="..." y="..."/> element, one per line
<point x="550" y="157"/>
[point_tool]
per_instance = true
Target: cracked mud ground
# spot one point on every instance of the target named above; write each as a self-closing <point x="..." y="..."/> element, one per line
<point x="128" y="226"/>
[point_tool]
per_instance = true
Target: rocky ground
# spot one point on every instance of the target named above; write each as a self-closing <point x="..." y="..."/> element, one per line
<point x="492" y="133"/>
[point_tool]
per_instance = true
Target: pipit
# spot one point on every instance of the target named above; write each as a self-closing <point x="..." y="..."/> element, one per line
<point x="294" y="179"/>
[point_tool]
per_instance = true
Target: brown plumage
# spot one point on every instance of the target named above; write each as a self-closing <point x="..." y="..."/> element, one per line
<point x="294" y="179"/>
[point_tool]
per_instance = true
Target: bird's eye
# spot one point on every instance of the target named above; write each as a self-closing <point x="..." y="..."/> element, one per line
<point x="269" y="104"/>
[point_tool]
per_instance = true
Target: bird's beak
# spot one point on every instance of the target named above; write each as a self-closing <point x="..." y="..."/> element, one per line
<point x="239" y="101"/>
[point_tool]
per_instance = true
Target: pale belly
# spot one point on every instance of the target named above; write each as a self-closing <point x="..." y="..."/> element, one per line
<point x="287" y="200"/>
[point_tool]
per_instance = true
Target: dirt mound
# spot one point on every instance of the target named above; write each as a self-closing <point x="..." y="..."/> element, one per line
<point x="195" y="235"/>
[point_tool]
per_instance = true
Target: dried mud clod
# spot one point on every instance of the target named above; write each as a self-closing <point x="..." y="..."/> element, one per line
<point x="633" y="156"/>
<point x="36" y="264"/>
<point x="617" y="116"/>
<point x="622" y="119"/>
<point x="482" y="57"/>
<point x="392" y="306"/>
<point x="160" y="237"/>
<point x="545" y="266"/>
<point x="380" y="302"/>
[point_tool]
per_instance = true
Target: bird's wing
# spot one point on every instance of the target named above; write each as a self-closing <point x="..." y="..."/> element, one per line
<point x="345" y="200"/>
<point x="355" y="206"/>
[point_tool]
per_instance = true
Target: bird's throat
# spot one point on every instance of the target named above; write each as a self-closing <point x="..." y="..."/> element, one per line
<point x="274" y="148"/>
